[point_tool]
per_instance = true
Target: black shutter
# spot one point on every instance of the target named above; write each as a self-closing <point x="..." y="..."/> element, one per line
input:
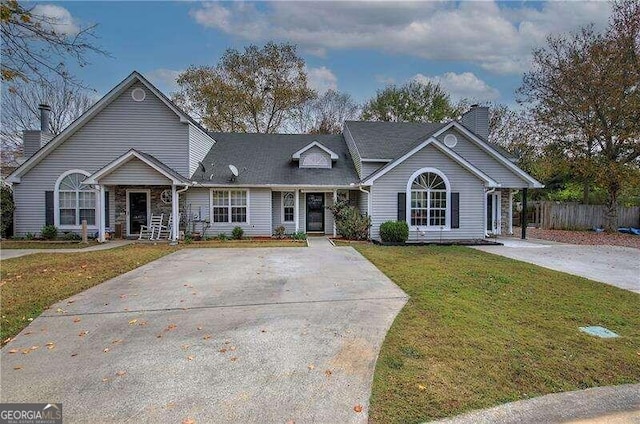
<point x="106" y="209"/>
<point x="402" y="206"/>
<point x="455" y="210"/>
<point x="48" y="208"/>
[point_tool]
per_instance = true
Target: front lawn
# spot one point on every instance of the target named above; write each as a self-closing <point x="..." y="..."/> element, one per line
<point x="41" y="244"/>
<point x="480" y="330"/>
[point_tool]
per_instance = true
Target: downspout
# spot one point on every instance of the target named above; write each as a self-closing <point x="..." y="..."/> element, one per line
<point x="486" y="195"/>
<point x="176" y="223"/>
<point x="368" y="204"/>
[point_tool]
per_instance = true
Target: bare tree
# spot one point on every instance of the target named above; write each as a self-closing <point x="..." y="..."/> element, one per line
<point x="34" y="47"/>
<point x="20" y="112"/>
<point x="325" y="114"/>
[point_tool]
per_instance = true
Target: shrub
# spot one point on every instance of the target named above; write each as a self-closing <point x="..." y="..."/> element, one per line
<point x="222" y="237"/>
<point x="6" y="209"/>
<point x="49" y="232"/>
<point x="72" y="236"/>
<point x="188" y="238"/>
<point x="30" y="236"/>
<point x="279" y="232"/>
<point x="237" y="233"/>
<point x="299" y="235"/>
<point x="394" y="231"/>
<point x="350" y="223"/>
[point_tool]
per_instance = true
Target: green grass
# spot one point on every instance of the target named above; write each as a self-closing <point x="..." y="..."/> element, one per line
<point x="480" y="330"/>
<point x="33" y="244"/>
<point x="30" y="284"/>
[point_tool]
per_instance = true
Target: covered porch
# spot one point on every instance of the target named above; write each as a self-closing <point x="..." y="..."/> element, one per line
<point x="131" y="190"/>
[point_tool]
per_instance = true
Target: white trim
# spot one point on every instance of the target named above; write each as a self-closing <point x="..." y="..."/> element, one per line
<point x="102" y="228"/>
<point x="229" y="190"/>
<point x="486" y="147"/>
<point x="128" y="212"/>
<point x="174" y="213"/>
<point x="431" y="140"/>
<point x="92" y="112"/>
<point x="376" y="160"/>
<point x="279" y="187"/>
<point x="297" y="154"/>
<point x="447" y="214"/>
<point x="56" y="202"/>
<point x="496" y="217"/>
<point x="335" y="200"/>
<point x="282" y="207"/>
<point x="297" y="210"/>
<point x="510" y="228"/>
<point x="124" y="159"/>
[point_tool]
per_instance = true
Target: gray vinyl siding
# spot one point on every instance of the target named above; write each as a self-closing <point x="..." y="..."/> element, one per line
<point x="135" y="171"/>
<point x="149" y="126"/>
<point x="385" y="196"/>
<point x="484" y="161"/>
<point x="328" y="216"/>
<point x="369" y="168"/>
<point x="302" y="213"/>
<point x="260" y="214"/>
<point x="199" y="146"/>
<point x="353" y="150"/>
<point x="276" y="199"/>
<point x="315" y="149"/>
<point x="363" y="204"/>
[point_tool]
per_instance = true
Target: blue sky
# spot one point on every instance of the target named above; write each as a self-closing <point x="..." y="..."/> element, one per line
<point x="477" y="50"/>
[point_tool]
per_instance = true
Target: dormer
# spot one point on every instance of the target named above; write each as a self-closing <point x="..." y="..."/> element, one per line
<point x="315" y="155"/>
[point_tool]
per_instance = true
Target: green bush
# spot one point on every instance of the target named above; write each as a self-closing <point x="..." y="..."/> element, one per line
<point x="279" y="232"/>
<point x="237" y="233"/>
<point x="394" y="231"/>
<point x="222" y="237"/>
<point x="72" y="236"/>
<point x="49" y="232"/>
<point x="6" y="209"/>
<point x="29" y="236"/>
<point x="350" y="223"/>
<point x="299" y="235"/>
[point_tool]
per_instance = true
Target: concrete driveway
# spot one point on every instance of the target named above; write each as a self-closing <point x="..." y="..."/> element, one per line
<point x="266" y="335"/>
<point x="614" y="265"/>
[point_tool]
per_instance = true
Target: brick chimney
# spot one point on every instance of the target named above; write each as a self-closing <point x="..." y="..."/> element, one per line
<point x="477" y="120"/>
<point x="34" y="139"/>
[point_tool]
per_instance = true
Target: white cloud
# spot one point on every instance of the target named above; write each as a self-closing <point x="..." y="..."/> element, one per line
<point x="56" y="18"/>
<point x="384" y="79"/>
<point x="164" y="79"/>
<point x="462" y="86"/>
<point x="322" y="79"/>
<point x="499" y="38"/>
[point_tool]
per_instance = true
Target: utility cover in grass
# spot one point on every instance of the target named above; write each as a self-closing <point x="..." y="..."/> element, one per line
<point x="598" y="331"/>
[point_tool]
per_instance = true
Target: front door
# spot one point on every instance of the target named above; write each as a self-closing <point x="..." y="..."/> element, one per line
<point x="137" y="211"/>
<point x="315" y="212"/>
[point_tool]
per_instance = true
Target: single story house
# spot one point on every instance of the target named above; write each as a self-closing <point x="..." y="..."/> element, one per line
<point x="135" y="153"/>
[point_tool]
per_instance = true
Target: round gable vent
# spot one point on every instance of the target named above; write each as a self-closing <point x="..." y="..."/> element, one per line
<point x="450" y="140"/>
<point x="138" y="94"/>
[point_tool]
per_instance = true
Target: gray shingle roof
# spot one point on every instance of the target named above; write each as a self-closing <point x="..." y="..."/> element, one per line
<point x="267" y="159"/>
<point x="388" y="140"/>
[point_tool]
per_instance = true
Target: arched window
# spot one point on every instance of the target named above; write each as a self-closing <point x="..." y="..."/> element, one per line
<point x="316" y="160"/>
<point x="75" y="201"/>
<point x="429" y="199"/>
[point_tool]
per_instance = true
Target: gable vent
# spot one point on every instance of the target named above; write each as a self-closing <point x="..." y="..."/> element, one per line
<point x="138" y="94"/>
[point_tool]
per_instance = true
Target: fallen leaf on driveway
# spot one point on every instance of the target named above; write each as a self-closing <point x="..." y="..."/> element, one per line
<point x="61" y="311"/>
<point x="328" y="373"/>
<point x="26" y="351"/>
<point x="170" y="327"/>
<point x="50" y="345"/>
<point x="223" y="350"/>
<point x="120" y="373"/>
<point x="357" y="408"/>
<point x="311" y="366"/>
<point x="74" y="354"/>
<point x="232" y="348"/>
<point x="17" y="367"/>
<point x="104" y="380"/>
<point x="190" y="358"/>
<point x="235" y="358"/>
<point x="199" y="328"/>
<point x="71" y="301"/>
<point x="184" y="347"/>
<point x="206" y="337"/>
<point x="76" y="320"/>
<point x="133" y="321"/>
<point x="106" y="349"/>
<point x="116" y="341"/>
<point x="35" y="347"/>
<point x="83" y="333"/>
<point x="13" y="351"/>
<point x="188" y="421"/>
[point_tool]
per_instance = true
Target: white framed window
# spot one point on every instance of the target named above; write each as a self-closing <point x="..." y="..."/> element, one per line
<point x="230" y="206"/>
<point x="288" y="206"/>
<point x="428" y="201"/>
<point x="74" y="201"/>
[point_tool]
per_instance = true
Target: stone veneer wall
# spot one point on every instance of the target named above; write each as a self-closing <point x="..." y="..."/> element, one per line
<point x="504" y="210"/>
<point x="157" y="206"/>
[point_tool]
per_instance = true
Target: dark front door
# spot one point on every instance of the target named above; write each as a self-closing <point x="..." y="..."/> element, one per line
<point x="315" y="212"/>
<point x="138" y="208"/>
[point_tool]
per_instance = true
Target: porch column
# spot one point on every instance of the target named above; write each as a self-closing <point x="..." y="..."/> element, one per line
<point x="297" y="210"/>
<point x="335" y="199"/>
<point x="174" y="213"/>
<point x="101" y="214"/>
<point x="523" y="215"/>
<point x="510" y="213"/>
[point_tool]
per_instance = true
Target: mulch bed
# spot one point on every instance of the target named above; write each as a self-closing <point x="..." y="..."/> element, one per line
<point x="583" y="237"/>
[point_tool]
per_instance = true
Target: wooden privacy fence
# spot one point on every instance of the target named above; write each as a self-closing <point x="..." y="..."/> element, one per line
<point x="575" y="216"/>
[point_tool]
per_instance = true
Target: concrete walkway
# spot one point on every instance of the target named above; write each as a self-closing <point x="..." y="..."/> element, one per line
<point x="614" y="265"/>
<point x="15" y="253"/>
<point x="255" y="335"/>
<point x="611" y="405"/>
<point x="319" y="242"/>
